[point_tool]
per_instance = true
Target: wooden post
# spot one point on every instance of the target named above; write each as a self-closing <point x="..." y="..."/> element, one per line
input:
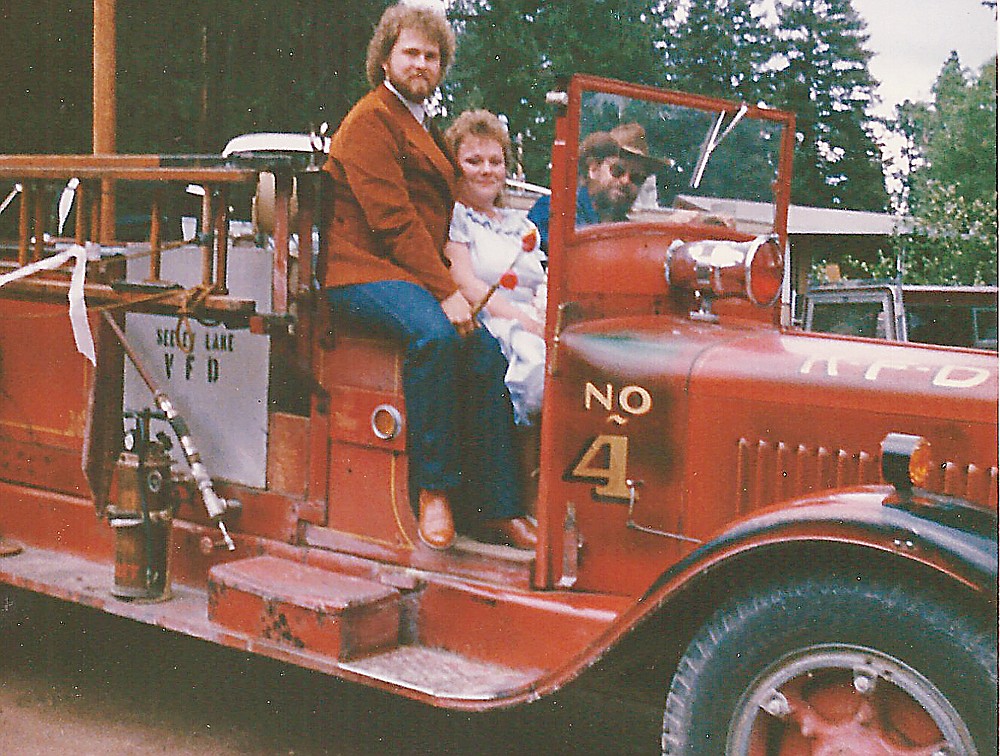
<point x="206" y="240"/>
<point x="155" y="235"/>
<point x="95" y="214"/>
<point x="282" y="210"/>
<point x="306" y="185"/>
<point x="41" y="202"/>
<point x="105" y="105"/>
<point x="82" y="196"/>
<point x="220" y="228"/>
<point x="24" y="223"/>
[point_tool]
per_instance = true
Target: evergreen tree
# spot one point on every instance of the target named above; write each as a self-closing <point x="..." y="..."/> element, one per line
<point x="190" y="75"/>
<point x="511" y="53"/>
<point x="828" y="85"/>
<point x="719" y="48"/>
<point x="46" y="86"/>
<point x="499" y="66"/>
<point x="961" y="136"/>
<point x="243" y="65"/>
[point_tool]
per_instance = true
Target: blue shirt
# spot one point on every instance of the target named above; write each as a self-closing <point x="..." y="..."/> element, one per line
<point x="586" y="215"/>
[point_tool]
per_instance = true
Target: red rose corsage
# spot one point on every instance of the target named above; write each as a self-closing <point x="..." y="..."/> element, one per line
<point x="531" y="239"/>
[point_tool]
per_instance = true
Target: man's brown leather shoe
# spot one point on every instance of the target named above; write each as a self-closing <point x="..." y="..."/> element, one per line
<point x="436" y="528"/>
<point x="518" y="532"/>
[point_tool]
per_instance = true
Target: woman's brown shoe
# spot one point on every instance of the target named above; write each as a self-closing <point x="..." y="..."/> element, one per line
<point x="518" y="532"/>
<point x="9" y="548"/>
<point x="436" y="527"/>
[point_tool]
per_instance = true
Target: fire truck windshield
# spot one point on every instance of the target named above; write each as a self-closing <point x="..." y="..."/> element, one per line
<point x="677" y="159"/>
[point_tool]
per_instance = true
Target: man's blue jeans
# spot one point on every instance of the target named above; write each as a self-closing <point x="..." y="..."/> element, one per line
<point x="459" y="417"/>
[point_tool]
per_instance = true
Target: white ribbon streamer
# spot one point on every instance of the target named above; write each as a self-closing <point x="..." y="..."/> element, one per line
<point x="66" y="201"/>
<point x="77" y="305"/>
<point x="10" y="198"/>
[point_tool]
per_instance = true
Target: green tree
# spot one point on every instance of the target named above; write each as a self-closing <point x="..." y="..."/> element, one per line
<point x="499" y="66"/>
<point x="960" y="135"/>
<point x="827" y="83"/>
<point x="954" y="240"/>
<point x="952" y="180"/>
<point x="511" y="53"/>
<point x="45" y="89"/>
<point x="244" y="65"/>
<point x="720" y="48"/>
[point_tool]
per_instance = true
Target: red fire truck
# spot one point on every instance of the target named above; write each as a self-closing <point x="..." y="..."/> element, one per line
<point x="792" y="536"/>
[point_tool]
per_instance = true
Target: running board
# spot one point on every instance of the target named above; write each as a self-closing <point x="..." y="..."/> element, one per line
<point x="440" y="673"/>
<point x="358" y="622"/>
<point x="446" y="677"/>
<point x="400" y="632"/>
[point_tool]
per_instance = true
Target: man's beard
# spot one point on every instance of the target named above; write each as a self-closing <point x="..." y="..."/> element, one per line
<point x="424" y="88"/>
<point x="613" y="208"/>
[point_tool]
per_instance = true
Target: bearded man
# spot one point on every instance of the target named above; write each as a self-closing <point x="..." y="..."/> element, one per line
<point x="382" y="264"/>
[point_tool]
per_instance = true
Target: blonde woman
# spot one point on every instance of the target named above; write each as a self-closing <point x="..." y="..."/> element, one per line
<point x="489" y="243"/>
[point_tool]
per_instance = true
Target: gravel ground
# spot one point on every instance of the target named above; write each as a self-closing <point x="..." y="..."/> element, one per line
<point x="76" y="681"/>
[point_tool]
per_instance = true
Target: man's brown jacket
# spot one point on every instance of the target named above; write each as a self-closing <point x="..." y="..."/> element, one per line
<point x="392" y="198"/>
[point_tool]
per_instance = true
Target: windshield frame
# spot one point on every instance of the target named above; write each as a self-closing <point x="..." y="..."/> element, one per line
<point x="566" y="150"/>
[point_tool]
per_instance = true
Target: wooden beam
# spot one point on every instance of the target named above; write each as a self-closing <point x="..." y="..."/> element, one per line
<point x="105" y="104"/>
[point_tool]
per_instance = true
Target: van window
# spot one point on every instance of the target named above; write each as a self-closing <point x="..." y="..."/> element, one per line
<point x="850" y="319"/>
<point x="985" y="325"/>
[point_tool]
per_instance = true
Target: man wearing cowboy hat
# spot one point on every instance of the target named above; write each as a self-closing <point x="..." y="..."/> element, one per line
<point x="613" y="166"/>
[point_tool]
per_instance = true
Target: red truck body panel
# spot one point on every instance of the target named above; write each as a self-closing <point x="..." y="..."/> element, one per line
<point x="673" y="445"/>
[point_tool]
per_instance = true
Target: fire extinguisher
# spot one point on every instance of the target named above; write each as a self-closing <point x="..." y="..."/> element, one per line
<point x="142" y="515"/>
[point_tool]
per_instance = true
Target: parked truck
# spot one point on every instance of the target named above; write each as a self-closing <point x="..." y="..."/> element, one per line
<point x="952" y="315"/>
<point x="791" y="536"/>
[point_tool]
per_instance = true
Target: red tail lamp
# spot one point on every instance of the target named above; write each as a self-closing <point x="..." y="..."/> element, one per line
<point x="387" y="422"/>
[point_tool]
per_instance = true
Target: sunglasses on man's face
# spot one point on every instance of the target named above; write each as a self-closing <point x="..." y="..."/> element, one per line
<point x="617" y="169"/>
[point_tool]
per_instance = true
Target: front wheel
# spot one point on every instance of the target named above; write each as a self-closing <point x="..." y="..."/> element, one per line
<point x="833" y="665"/>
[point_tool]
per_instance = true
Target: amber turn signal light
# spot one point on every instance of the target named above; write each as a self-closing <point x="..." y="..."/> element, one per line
<point x="906" y="461"/>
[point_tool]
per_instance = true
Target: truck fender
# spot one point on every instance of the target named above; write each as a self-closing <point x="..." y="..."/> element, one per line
<point x="962" y="551"/>
<point x="857" y="526"/>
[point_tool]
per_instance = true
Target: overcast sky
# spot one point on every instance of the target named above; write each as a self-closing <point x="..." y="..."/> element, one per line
<point x="912" y="39"/>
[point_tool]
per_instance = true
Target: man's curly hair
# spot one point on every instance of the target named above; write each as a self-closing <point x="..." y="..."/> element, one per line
<point x="428" y="21"/>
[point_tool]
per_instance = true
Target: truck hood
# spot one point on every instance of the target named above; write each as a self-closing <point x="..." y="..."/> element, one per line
<point x="759" y="363"/>
<point x="776" y="414"/>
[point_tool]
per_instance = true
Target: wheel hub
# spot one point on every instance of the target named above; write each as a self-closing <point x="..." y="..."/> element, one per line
<point x="846" y="701"/>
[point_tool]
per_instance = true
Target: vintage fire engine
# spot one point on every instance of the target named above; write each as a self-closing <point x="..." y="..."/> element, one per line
<point x="792" y="536"/>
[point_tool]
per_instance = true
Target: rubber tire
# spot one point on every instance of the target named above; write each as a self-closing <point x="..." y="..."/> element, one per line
<point x="951" y="649"/>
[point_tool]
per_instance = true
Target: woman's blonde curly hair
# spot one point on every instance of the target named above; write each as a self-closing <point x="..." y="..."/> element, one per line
<point x="482" y="124"/>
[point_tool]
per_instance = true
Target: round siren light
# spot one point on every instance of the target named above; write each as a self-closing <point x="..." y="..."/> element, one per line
<point x="719" y="268"/>
<point x="765" y="271"/>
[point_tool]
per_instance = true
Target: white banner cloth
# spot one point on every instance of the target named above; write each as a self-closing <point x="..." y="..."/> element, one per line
<point x="77" y="306"/>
